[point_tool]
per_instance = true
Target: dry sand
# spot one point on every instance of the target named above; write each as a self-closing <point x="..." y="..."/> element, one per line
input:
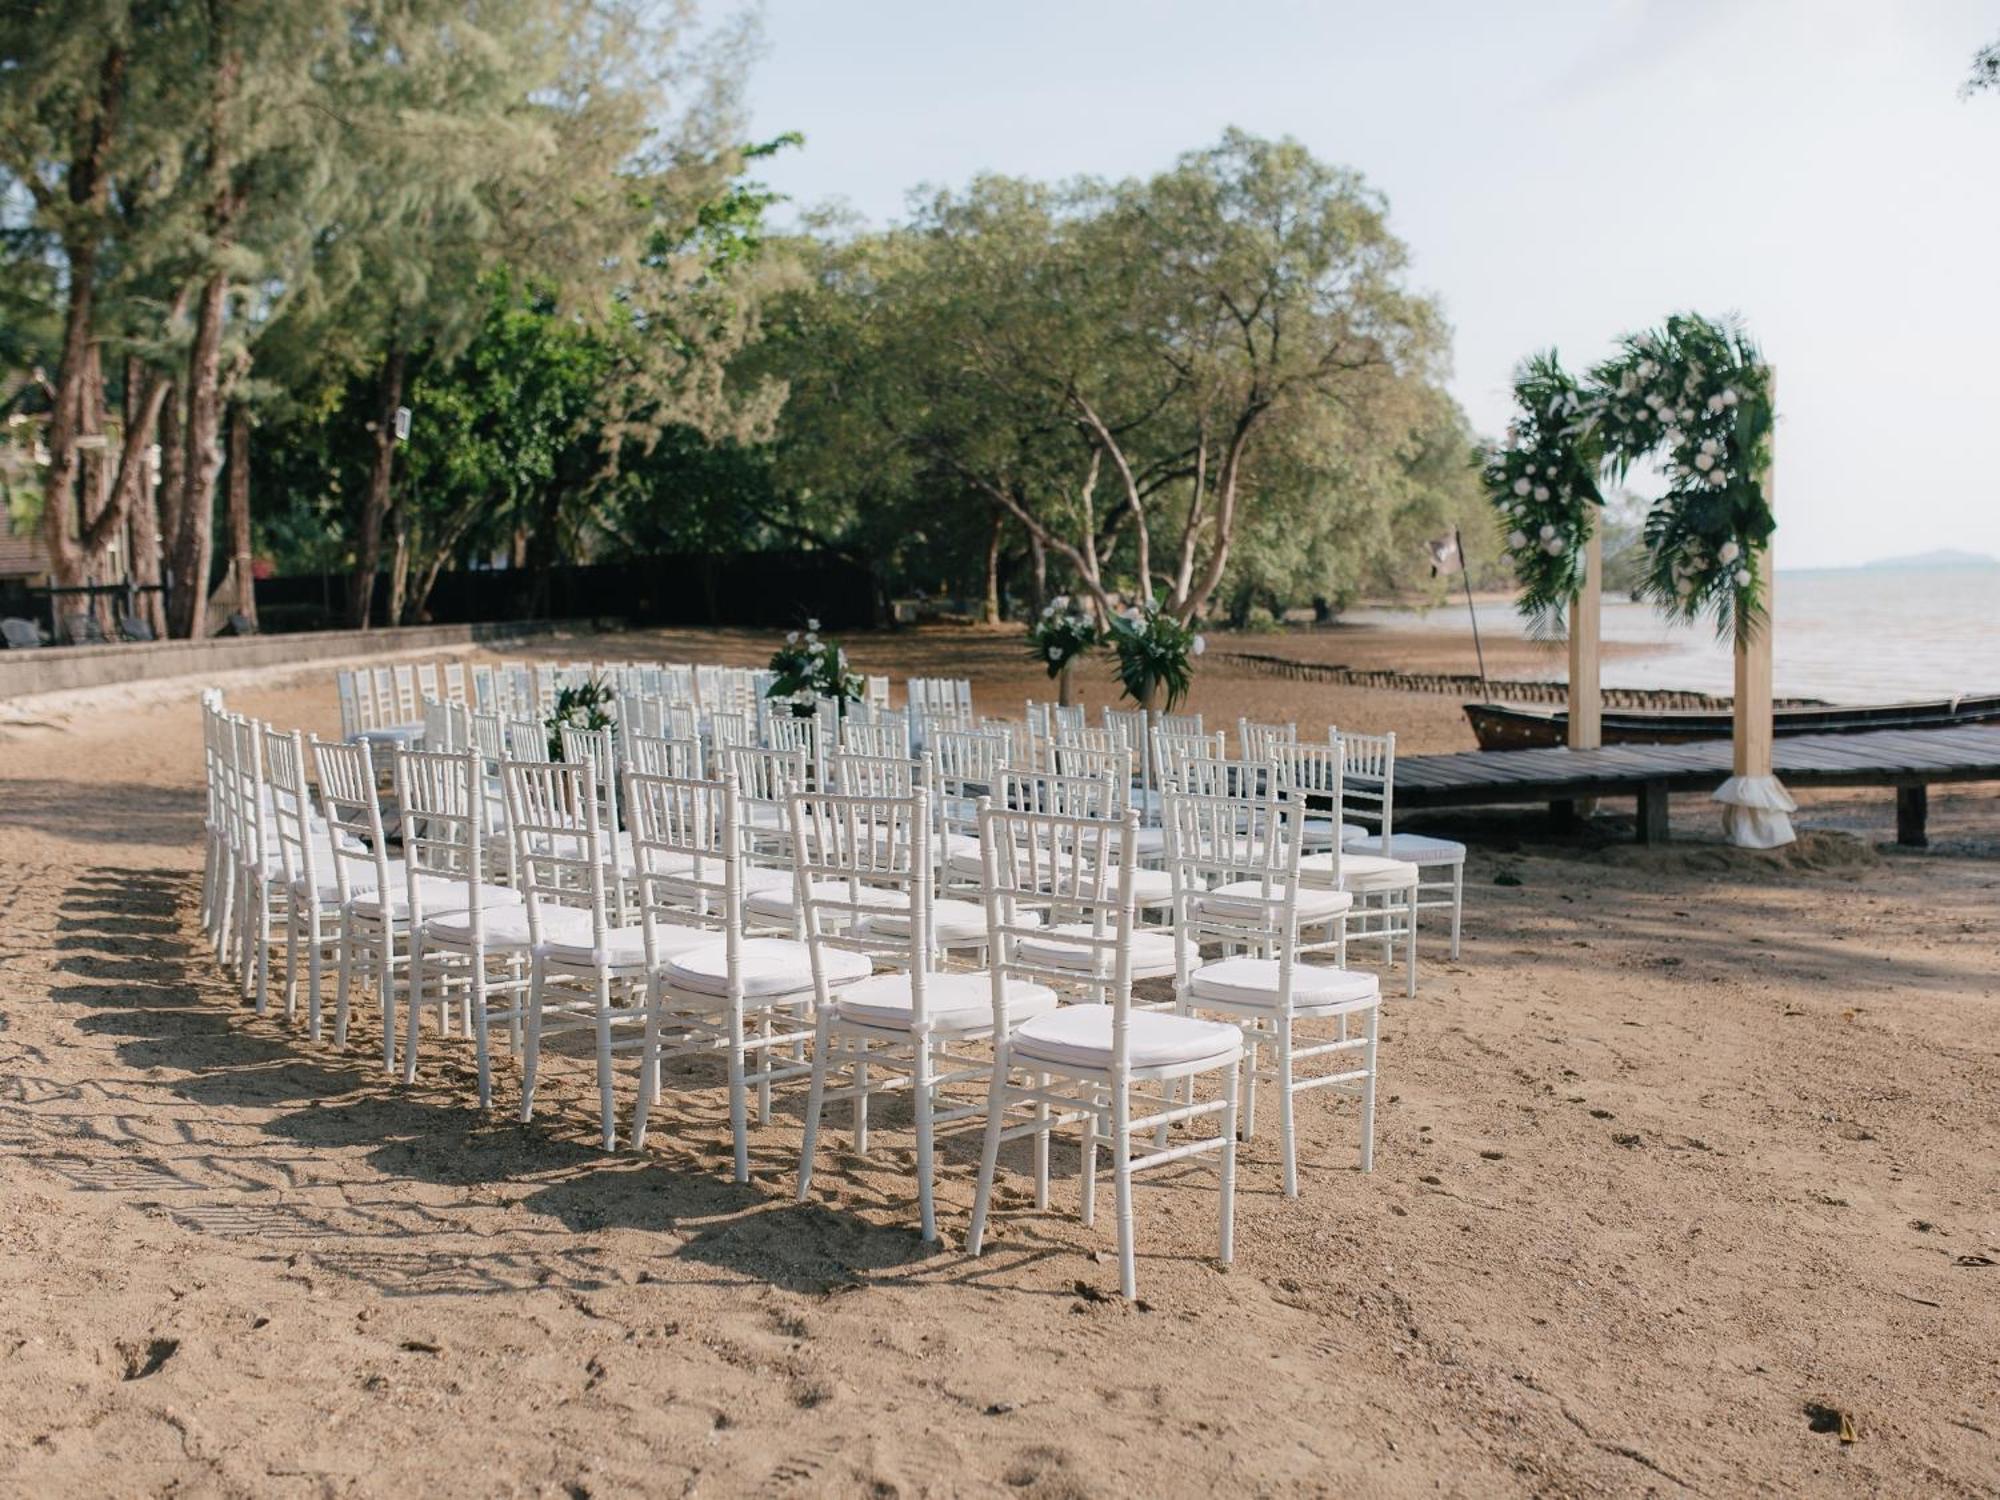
<point x="1693" y="1151"/>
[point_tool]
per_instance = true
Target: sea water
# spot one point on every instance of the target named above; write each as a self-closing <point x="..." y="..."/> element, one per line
<point x="1847" y="635"/>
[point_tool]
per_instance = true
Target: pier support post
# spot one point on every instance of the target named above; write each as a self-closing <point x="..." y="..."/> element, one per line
<point x="1756" y="807"/>
<point x="1913" y="806"/>
<point x="1586" y="691"/>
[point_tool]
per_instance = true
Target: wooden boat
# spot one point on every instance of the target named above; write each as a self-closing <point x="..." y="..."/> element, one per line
<point x="1501" y="726"/>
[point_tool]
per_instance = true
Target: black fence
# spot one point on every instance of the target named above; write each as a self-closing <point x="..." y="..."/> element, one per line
<point x="758" y="589"/>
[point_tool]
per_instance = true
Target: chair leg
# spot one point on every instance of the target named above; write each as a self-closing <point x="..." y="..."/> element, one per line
<point x="1250" y="1054"/>
<point x="605" y="1078"/>
<point x="921" y="1083"/>
<point x="989" y="1155"/>
<point x="416" y="1005"/>
<point x="1227" y="1252"/>
<point x="1410" y="944"/>
<point x="385" y="979"/>
<point x="482" y="1049"/>
<point x="1368" y="1091"/>
<point x="861" y="1101"/>
<point x="531" y="1045"/>
<point x="1287" y="1124"/>
<point x="1087" y="1170"/>
<point x="1042" y="1128"/>
<point x="315" y="971"/>
<point x="1457" y="904"/>
<point x="1121" y="1182"/>
<point x="348" y="938"/>
<point x="764" y="1063"/>
<point x="814" y="1102"/>
<point x="263" y="947"/>
<point x="739" y="1103"/>
<point x="291" y="958"/>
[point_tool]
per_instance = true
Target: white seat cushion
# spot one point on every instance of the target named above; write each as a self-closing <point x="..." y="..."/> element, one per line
<point x="437" y="895"/>
<point x="567" y="941"/>
<point x="1152" y="952"/>
<point x="1245" y="899"/>
<point x="1361" y="873"/>
<point x="1319" y="833"/>
<point x="390" y="734"/>
<point x="1413" y="848"/>
<point x="763" y="878"/>
<point x="1316" y="989"/>
<point x="959" y="1003"/>
<point x="770" y="966"/>
<point x="1080" y="1036"/>
<point x="502" y="927"/>
<point x="782" y="902"/>
<point x="1149" y="887"/>
<point x="953" y="923"/>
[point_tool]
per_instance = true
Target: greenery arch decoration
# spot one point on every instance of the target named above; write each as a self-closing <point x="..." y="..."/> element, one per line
<point x="1694" y="396"/>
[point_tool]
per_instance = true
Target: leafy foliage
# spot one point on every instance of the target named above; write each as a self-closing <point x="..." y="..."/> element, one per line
<point x="805" y="668"/>
<point x="1156" y="652"/>
<point x="580" y="706"/>
<point x="1543" y="485"/>
<point x="1062" y="633"/>
<point x="1696" y="394"/>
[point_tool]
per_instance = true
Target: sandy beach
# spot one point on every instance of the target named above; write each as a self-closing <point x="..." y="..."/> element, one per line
<point x="1689" y="1159"/>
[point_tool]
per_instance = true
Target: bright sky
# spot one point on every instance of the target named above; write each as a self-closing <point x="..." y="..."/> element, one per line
<point x="1562" y="170"/>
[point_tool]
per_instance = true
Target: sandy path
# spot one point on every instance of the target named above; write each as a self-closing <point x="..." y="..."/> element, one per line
<point x="1687" y="1142"/>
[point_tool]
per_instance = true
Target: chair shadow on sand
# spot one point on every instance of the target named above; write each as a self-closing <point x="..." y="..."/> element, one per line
<point x="321" y="1156"/>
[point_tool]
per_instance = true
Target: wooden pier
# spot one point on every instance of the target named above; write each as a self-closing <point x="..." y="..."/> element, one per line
<point x="1910" y="760"/>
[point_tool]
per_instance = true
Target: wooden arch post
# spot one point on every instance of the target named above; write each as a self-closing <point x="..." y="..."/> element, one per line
<point x="1586" y="692"/>
<point x="1756" y="806"/>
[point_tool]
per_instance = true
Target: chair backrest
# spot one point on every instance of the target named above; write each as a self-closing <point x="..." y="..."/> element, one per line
<point x="454" y="684"/>
<point x="527" y="739"/>
<point x="1079" y="870"/>
<point x="687" y="857"/>
<point x="598" y="747"/>
<point x="1368" y="776"/>
<point x="1111" y="766"/>
<point x="443" y="725"/>
<point x="792" y="733"/>
<point x="857" y="854"/>
<point x="883" y="736"/>
<point x="767" y="779"/>
<point x="440" y="797"/>
<point x="1310" y="776"/>
<point x="1179" y="723"/>
<point x="350" y="705"/>
<point x="1052" y="793"/>
<point x="878" y="691"/>
<point x="856" y="775"/>
<point x="404" y="677"/>
<point x="1211" y="843"/>
<point x="1254" y="741"/>
<point x="1240" y="781"/>
<point x="1046" y="720"/>
<point x="428" y="685"/>
<point x="728" y="729"/>
<point x="484" y="696"/>
<point x="244" y="790"/>
<point x="552" y="817"/>
<point x="291" y="819"/>
<point x="1172" y="752"/>
<point x="351" y="808"/>
<point x="661" y="755"/>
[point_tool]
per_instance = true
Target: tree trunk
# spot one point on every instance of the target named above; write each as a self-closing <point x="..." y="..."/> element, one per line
<point x="399" y="564"/>
<point x="1038" y="554"/>
<point x="375" y="500"/>
<point x="991" y="612"/>
<point x="136" y="478"/>
<point x="58" y="507"/>
<point x="241" y="549"/>
<point x="193" y="548"/>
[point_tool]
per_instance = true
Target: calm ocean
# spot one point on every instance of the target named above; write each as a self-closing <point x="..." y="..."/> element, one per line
<point x="1848" y="635"/>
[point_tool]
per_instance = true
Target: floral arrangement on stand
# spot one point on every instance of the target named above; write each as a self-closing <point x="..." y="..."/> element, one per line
<point x="806" y="668"/>
<point x="1062" y="635"/>
<point x="1155" y="655"/>
<point x="585" y="705"/>
<point x="1697" y="396"/>
<point x="1543" y="485"/>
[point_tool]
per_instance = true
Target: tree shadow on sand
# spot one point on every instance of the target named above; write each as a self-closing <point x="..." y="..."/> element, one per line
<point x="236" y="1126"/>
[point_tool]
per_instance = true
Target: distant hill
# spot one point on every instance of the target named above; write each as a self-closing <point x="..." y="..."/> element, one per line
<point x="1943" y="557"/>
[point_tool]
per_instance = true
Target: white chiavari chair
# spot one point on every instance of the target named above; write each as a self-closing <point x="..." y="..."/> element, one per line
<point x="585" y="972"/>
<point x="1106" y="1065"/>
<point x="1237" y="888"/>
<point x="471" y="946"/>
<point x="305" y="860"/>
<point x="1371" y="790"/>
<point x="909" y="1025"/>
<point x="1384" y="889"/>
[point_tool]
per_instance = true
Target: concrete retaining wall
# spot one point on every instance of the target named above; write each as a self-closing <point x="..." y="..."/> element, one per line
<point x="61" y="669"/>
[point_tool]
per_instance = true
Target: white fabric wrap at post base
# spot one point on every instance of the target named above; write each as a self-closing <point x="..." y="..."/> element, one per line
<point x="1754" y="812"/>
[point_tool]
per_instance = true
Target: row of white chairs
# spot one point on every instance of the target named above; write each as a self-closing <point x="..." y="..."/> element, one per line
<point x="849" y="983"/>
